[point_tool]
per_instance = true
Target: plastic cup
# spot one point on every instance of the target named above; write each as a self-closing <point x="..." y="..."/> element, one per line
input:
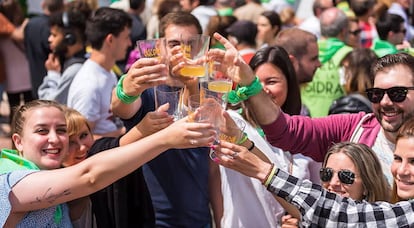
<point x="171" y="95"/>
<point x="195" y="49"/>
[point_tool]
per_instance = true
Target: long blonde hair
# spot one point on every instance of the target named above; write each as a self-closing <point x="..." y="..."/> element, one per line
<point x="369" y="167"/>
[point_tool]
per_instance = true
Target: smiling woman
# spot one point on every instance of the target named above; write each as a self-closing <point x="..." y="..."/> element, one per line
<point x="34" y="190"/>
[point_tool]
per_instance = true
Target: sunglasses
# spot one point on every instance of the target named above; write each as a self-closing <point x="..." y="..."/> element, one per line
<point x="345" y="176"/>
<point x="355" y="32"/>
<point x="396" y="94"/>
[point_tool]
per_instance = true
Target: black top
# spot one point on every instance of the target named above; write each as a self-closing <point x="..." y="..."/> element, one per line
<point x="125" y="203"/>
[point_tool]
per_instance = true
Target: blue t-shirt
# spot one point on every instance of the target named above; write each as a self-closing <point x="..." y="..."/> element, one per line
<point x="177" y="180"/>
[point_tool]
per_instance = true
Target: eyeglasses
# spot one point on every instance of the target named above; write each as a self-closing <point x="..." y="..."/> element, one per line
<point x="355" y="32"/>
<point x="345" y="176"/>
<point x="396" y="94"/>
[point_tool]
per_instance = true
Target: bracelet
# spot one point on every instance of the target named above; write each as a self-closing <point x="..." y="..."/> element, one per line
<point x="243" y="139"/>
<point x="271" y="173"/>
<point x="126" y="99"/>
<point x="243" y="93"/>
<point x="268" y="174"/>
<point x="251" y="147"/>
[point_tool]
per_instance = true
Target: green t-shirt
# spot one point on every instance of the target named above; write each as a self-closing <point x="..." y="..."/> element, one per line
<point x="325" y="87"/>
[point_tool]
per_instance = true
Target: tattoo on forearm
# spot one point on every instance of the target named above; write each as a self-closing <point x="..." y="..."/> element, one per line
<point x="50" y="197"/>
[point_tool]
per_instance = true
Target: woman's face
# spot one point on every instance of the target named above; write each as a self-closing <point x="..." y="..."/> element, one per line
<point x="402" y="168"/>
<point x="337" y="162"/>
<point x="44" y="138"/>
<point x="274" y="82"/>
<point x="265" y="32"/>
<point x="79" y="145"/>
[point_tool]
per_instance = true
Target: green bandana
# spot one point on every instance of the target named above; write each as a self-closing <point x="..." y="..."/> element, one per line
<point x="11" y="161"/>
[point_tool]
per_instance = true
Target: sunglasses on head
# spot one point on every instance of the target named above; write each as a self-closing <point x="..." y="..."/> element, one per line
<point x="396" y="94"/>
<point x="345" y="176"/>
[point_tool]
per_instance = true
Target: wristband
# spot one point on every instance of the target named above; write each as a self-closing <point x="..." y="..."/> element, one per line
<point x="126" y="99"/>
<point x="243" y="93"/>
<point x="243" y="139"/>
<point x="251" y="147"/>
<point x="269" y="176"/>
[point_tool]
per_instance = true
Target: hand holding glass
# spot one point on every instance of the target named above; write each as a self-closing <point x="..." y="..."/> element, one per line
<point x="195" y="50"/>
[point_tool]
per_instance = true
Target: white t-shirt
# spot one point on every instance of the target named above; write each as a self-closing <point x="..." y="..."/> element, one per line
<point x="90" y="94"/>
<point x="246" y="201"/>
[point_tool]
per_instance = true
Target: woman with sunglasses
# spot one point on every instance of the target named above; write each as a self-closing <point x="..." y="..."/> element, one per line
<point x="393" y="75"/>
<point x="348" y="171"/>
<point x="318" y="207"/>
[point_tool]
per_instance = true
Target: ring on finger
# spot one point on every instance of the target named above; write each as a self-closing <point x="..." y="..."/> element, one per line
<point x="193" y="141"/>
<point x="234" y="155"/>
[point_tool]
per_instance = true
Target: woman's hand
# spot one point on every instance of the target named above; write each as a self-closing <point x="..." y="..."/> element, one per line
<point x="183" y="134"/>
<point x="155" y="121"/>
<point x="230" y="129"/>
<point x="143" y="74"/>
<point x="232" y="64"/>
<point x="240" y="159"/>
<point x="288" y="221"/>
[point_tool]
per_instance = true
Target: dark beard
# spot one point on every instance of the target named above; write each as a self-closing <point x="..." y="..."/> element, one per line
<point x="61" y="50"/>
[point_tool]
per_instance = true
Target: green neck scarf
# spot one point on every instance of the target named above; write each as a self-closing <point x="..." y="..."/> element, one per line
<point x="11" y="161"/>
<point x="328" y="48"/>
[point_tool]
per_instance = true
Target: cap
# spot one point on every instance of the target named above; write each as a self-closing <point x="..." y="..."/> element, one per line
<point x="243" y="31"/>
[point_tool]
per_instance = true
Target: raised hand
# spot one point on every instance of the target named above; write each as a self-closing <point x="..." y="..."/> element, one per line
<point x="155" y="121"/>
<point x="240" y="159"/>
<point x="232" y="64"/>
<point x="143" y="74"/>
<point x="184" y="134"/>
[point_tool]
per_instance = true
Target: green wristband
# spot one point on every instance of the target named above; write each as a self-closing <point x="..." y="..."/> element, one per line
<point x="243" y="139"/>
<point x="243" y="93"/>
<point x="126" y="99"/>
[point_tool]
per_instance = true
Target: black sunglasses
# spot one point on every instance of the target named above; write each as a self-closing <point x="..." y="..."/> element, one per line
<point x="396" y="94"/>
<point x="355" y="32"/>
<point x="345" y="176"/>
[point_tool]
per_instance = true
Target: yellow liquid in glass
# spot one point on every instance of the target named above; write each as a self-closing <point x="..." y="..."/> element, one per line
<point x="220" y="86"/>
<point x="193" y="71"/>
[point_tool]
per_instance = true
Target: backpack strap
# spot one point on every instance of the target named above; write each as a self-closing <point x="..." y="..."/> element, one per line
<point x="72" y="61"/>
<point x="356" y="135"/>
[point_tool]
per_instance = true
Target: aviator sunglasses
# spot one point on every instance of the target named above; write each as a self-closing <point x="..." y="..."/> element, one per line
<point x="345" y="176"/>
<point x="396" y="94"/>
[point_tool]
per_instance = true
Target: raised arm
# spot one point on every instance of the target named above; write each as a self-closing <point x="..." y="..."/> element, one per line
<point x="47" y="188"/>
<point x="143" y="74"/>
<point x="317" y="206"/>
<point x="233" y="65"/>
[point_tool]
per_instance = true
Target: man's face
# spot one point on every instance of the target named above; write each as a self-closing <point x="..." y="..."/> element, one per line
<point x="173" y="36"/>
<point x="392" y="115"/>
<point x="308" y="64"/>
<point x="397" y="37"/>
<point x="186" y="5"/>
<point x="121" y="44"/>
<point x="55" y="39"/>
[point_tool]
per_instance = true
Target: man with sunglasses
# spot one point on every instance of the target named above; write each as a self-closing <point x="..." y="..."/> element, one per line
<point x="392" y="101"/>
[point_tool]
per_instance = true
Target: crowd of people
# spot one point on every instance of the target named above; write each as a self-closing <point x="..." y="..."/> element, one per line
<point x="326" y="103"/>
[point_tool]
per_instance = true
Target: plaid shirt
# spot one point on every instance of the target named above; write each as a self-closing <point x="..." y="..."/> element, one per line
<point x="320" y="208"/>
